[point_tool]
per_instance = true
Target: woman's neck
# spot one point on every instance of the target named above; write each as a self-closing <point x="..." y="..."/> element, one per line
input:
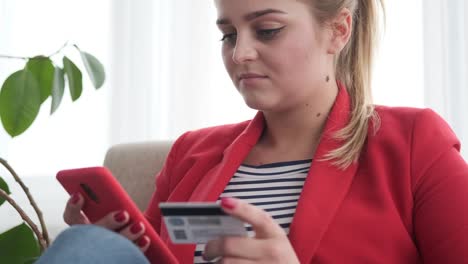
<point x="302" y="125"/>
<point x="294" y="134"/>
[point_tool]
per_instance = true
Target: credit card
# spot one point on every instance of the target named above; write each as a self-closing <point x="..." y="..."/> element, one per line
<point x="198" y="223"/>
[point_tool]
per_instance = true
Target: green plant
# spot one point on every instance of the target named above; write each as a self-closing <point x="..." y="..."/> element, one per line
<point x="22" y="95"/>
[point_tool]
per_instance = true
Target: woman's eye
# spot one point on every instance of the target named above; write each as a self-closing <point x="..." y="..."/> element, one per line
<point x="267" y="34"/>
<point x="231" y="38"/>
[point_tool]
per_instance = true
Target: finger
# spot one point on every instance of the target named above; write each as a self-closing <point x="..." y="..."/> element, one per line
<point x="133" y="231"/>
<point x="143" y="243"/>
<point x="235" y="247"/>
<point x="262" y="223"/>
<point x="114" y="220"/>
<point x="73" y="214"/>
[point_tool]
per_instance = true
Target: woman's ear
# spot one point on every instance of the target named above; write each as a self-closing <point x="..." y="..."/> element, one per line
<point x="341" y="29"/>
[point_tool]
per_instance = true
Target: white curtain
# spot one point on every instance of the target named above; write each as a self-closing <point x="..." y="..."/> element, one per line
<point x="169" y="76"/>
<point x="446" y="62"/>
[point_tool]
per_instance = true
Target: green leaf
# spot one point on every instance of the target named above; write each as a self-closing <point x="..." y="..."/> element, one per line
<point x="94" y="68"/>
<point x="58" y="88"/>
<point x="18" y="245"/>
<point x="30" y="260"/>
<point x="43" y="70"/>
<point x="75" y="78"/>
<point x="20" y="100"/>
<point x="3" y="186"/>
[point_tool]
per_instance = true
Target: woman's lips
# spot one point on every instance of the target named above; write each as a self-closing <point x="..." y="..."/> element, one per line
<point x="251" y="78"/>
<point x="251" y="75"/>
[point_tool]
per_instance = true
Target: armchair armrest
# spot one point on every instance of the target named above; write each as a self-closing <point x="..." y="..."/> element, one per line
<point x="135" y="166"/>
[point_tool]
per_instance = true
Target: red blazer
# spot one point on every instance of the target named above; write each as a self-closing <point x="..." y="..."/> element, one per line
<point x="404" y="201"/>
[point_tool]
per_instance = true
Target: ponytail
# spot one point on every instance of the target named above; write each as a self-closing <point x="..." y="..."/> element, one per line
<point x="353" y="68"/>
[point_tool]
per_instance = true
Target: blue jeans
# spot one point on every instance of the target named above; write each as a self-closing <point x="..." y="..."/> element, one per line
<point x="91" y="244"/>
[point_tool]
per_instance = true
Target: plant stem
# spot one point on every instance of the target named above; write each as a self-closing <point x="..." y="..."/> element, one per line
<point x="59" y="50"/>
<point x="13" y="57"/>
<point x="28" y="58"/>
<point x="45" y="234"/>
<point x="42" y="241"/>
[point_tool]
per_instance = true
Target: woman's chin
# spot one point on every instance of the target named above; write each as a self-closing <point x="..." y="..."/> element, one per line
<point x="260" y="105"/>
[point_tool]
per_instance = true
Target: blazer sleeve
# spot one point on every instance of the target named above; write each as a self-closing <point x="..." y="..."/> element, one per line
<point x="163" y="185"/>
<point x="440" y="189"/>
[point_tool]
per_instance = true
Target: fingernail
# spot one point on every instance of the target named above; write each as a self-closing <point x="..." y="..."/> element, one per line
<point x="75" y="198"/>
<point x="136" y="228"/>
<point x="228" y="203"/>
<point x="120" y="216"/>
<point x="143" y="242"/>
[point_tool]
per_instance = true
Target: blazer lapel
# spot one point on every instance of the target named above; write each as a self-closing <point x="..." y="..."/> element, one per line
<point x="213" y="183"/>
<point x="324" y="189"/>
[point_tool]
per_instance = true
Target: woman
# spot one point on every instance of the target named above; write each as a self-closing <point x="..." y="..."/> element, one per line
<point x="353" y="182"/>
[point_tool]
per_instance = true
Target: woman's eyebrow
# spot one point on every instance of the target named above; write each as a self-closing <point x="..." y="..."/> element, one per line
<point x="251" y="16"/>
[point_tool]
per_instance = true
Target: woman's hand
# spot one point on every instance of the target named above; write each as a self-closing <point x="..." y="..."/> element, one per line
<point x="270" y="244"/>
<point x="113" y="221"/>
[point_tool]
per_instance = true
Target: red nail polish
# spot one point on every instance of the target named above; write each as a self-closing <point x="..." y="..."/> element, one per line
<point x="143" y="242"/>
<point x="120" y="216"/>
<point x="228" y="203"/>
<point x="136" y="228"/>
<point x="75" y="198"/>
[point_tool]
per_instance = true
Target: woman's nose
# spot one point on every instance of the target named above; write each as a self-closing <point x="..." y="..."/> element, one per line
<point x="244" y="51"/>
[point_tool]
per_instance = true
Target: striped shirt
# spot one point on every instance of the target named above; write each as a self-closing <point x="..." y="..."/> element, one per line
<point x="273" y="187"/>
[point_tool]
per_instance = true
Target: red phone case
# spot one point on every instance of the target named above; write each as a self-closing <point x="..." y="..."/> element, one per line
<point x="104" y="194"/>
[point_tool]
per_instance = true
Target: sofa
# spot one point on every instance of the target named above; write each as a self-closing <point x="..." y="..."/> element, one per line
<point x="135" y="166"/>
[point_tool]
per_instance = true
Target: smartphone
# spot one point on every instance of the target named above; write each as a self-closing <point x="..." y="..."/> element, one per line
<point x="198" y="223"/>
<point x="104" y="194"/>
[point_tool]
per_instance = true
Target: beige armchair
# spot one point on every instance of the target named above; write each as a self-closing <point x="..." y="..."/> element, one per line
<point x="135" y="165"/>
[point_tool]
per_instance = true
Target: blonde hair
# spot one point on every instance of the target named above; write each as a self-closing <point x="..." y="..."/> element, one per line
<point x="353" y="68"/>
